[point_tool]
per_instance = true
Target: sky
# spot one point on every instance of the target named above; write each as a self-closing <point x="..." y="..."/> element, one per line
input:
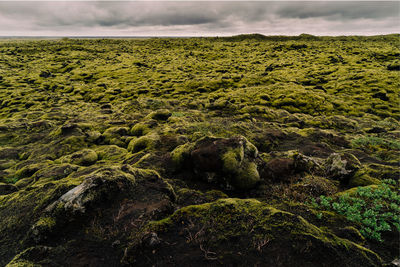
<point x="191" y="18"/>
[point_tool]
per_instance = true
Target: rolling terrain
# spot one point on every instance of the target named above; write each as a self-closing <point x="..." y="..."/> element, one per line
<point x="240" y="151"/>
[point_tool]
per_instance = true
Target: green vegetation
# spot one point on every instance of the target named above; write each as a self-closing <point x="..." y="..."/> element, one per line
<point x="200" y="151"/>
<point x="377" y="209"/>
<point x="374" y="143"/>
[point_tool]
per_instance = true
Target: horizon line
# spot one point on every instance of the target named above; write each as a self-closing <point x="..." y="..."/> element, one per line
<point x="184" y="36"/>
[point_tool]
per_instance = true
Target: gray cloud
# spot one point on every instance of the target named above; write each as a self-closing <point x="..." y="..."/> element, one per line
<point x="197" y="18"/>
<point x="341" y="10"/>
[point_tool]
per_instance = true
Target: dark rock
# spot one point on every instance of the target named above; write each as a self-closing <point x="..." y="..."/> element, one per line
<point x="304" y="163"/>
<point x="376" y="130"/>
<point x="280" y="169"/>
<point x="45" y="74"/>
<point x="106" y="106"/>
<point x="161" y="114"/>
<point x="6" y="189"/>
<point x="9" y="153"/>
<point x="316" y="150"/>
<point x="381" y="96"/>
<point x="70" y="128"/>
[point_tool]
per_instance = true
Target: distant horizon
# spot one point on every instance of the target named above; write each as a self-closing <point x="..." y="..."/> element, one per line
<point x="191" y="36"/>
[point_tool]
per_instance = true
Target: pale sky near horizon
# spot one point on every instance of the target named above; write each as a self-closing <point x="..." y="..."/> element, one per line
<point x="191" y="18"/>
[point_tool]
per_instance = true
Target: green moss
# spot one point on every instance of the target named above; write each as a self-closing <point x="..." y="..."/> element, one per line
<point x="84" y="157"/>
<point x="140" y="129"/>
<point x="242" y="174"/>
<point x="114" y="135"/>
<point x="361" y="178"/>
<point x="161" y="114"/>
<point x="47" y="222"/>
<point x="250" y="150"/>
<point x="23" y="182"/>
<point x="247" y="176"/>
<point x="57" y="97"/>
<point x="29" y="170"/>
<point x="353" y="191"/>
<point x="58" y="148"/>
<point x="22" y="263"/>
<point x="146" y="142"/>
<point x="234" y="219"/>
<point x="232" y="159"/>
<point x="214" y="195"/>
<point x="180" y="155"/>
<point x="111" y="153"/>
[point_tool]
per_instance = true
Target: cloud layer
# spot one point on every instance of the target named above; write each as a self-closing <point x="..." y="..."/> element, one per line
<point x="197" y="18"/>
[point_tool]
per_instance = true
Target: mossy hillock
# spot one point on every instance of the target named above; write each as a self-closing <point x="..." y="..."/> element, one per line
<point x="218" y="231"/>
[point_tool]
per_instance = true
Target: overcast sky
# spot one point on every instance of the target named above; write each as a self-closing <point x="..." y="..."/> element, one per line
<point x="191" y="18"/>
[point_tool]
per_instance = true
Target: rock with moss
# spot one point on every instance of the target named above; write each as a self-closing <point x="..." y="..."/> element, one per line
<point x="362" y="178"/>
<point x="341" y="166"/>
<point x="56" y="171"/>
<point x="29" y="169"/>
<point x="229" y="162"/>
<point x="68" y="129"/>
<point x="97" y="186"/>
<point x="303" y="163"/>
<point x="143" y="128"/>
<point x="113" y="135"/>
<point x="143" y="143"/>
<point x="218" y="231"/>
<point x="84" y="157"/>
<point x="9" y="153"/>
<point x="42" y="229"/>
<point x="111" y="153"/>
<point x="180" y="156"/>
<point x="94" y="137"/>
<point x="161" y="114"/>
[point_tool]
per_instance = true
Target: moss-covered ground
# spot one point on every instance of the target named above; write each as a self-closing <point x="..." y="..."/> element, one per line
<point x="199" y="151"/>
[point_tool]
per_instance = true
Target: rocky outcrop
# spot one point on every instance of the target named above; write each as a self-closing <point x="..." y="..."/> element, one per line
<point x="230" y="162"/>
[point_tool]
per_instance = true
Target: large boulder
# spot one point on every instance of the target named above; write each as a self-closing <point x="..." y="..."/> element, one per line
<point x="230" y="162"/>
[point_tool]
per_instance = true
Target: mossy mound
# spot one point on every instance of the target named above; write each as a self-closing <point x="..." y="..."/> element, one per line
<point x="229" y="162"/>
<point x="77" y="207"/>
<point x="115" y="136"/>
<point x="161" y="114"/>
<point x="243" y="233"/>
<point x="84" y="157"/>
<point x="146" y="142"/>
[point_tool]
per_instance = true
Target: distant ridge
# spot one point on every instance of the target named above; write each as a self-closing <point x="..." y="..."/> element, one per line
<point x="303" y="36"/>
<point x="240" y="37"/>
